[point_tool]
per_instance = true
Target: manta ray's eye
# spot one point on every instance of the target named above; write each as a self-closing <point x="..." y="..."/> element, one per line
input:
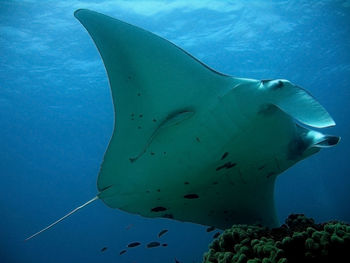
<point x="279" y="84"/>
<point x="275" y="84"/>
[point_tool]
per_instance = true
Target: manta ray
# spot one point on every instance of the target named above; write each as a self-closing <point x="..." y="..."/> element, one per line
<point x="193" y="144"/>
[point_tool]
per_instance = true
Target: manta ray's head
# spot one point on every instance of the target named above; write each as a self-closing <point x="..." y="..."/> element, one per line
<point x="306" y="111"/>
<point x="279" y="102"/>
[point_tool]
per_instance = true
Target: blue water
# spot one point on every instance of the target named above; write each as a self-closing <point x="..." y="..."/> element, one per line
<point x="56" y="116"/>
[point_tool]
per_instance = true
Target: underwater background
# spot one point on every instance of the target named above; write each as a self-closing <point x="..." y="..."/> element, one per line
<point x="56" y="117"/>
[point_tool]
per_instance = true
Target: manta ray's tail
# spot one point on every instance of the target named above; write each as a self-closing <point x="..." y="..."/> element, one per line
<point x="62" y="218"/>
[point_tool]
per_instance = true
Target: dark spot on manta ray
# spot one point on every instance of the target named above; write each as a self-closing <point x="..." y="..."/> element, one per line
<point x="134" y="244"/>
<point x="154" y="120"/>
<point x="158" y="190"/>
<point x="211" y="228"/>
<point x="103" y="249"/>
<point x="140" y="115"/>
<point x="147" y="191"/>
<point x="220" y="167"/>
<point x="225" y="211"/>
<point x="214" y="183"/>
<point x="191" y="196"/>
<point x="261" y="167"/>
<point x="138" y="94"/>
<point x="152" y="153"/>
<point x="216" y="235"/>
<point x="227" y="165"/>
<point x="267" y="109"/>
<point x="168" y="216"/>
<point x="270" y="174"/>
<point x="224" y="155"/>
<point x="197" y="139"/>
<point x="122" y="252"/>
<point x="230" y="165"/>
<point x="164" y="153"/>
<point x="139" y="127"/>
<point x="186" y="183"/>
<point x="158" y="199"/>
<point x="158" y="209"/>
<point x="153" y="244"/>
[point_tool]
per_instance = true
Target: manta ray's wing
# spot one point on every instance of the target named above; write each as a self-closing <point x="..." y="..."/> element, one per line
<point x="154" y="84"/>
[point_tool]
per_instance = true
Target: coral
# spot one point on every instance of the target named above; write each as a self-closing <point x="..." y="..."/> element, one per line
<point x="298" y="240"/>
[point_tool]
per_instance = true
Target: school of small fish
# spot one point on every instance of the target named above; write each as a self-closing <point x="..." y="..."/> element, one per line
<point x="153" y="244"/>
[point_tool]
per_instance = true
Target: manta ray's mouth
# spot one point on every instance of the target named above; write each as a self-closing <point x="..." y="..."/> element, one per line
<point x="309" y="142"/>
<point x="329" y="141"/>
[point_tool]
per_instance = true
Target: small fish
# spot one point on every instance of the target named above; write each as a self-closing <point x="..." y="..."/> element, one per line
<point x="122" y="252"/>
<point x="153" y="244"/>
<point x="162" y="232"/>
<point x="134" y="244"/>
<point x="164" y="245"/>
<point x="211" y="228"/>
<point x="191" y="196"/>
<point x="224" y="156"/>
<point x="216" y="235"/>
<point x="158" y="208"/>
<point x="103" y="249"/>
<point x="128" y="226"/>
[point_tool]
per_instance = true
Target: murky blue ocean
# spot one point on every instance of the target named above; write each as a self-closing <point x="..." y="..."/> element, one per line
<point x="56" y="117"/>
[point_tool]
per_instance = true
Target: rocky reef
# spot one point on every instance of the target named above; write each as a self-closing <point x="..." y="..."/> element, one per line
<point x="298" y="240"/>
